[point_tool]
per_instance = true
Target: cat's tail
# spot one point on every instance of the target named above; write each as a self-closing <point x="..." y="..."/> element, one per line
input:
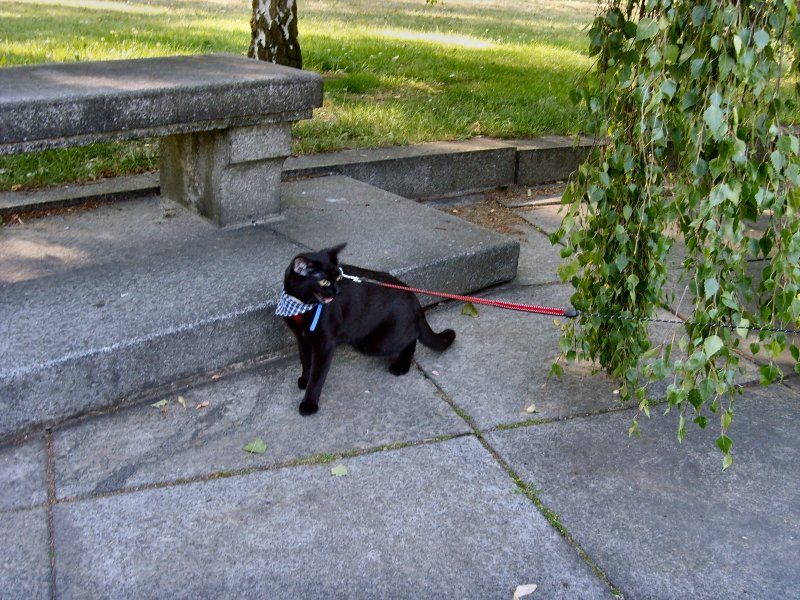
<point x="435" y="341"/>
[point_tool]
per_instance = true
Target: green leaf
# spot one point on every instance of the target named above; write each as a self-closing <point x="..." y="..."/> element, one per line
<point x="726" y="65"/>
<point x="698" y="15"/>
<point x="717" y="195"/>
<point x="778" y="160"/>
<point x="257" y="446"/>
<point x="712" y="345"/>
<point x="727" y="461"/>
<point x="696" y="67"/>
<point x="469" y="310"/>
<point x="727" y="417"/>
<point x="769" y="373"/>
<point x="696" y="361"/>
<point x="671" y="53"/>
<point x="686" y="53"/>
<point x="743" y="328"/>
<point x="724" y="443"/>
<point x="706" y="388"/>
<point x="714" y="118"/>
<point x="789" y="144"/>
<point x="737" y="44"/>
<point x="339" y="471"/>
<point x="160" y="403"/>
<point x="668" y="88"/>
<point x="627" y="211"/>
<point x="695" y="398"/>
<point x="710" y="287"/>
<point x="761" y="39"/>
<point x="728" y="300"/>
<point x="646" y="28"/>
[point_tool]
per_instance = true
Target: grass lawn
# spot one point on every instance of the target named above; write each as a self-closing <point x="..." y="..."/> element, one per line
<point x="396" y="72"/>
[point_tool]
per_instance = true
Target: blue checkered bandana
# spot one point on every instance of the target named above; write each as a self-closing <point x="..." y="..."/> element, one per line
<point x="289" y="306"/>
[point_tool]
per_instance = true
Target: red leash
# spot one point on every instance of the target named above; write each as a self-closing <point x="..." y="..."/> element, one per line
<point x="569" y="313"/>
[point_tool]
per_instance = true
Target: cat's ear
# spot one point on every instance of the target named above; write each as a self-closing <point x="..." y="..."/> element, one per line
<point x="301" y="265"/>
<point x="333" y="252"/>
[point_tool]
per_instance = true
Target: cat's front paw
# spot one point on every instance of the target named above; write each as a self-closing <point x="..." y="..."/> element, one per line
<point x="302" y="382"/>
<point x="308" y="408"/>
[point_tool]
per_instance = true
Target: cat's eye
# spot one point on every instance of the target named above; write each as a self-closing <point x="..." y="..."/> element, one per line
<point x="324" y="282"/>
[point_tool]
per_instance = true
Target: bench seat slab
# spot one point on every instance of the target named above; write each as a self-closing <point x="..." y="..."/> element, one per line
<point x="224" y="121"/>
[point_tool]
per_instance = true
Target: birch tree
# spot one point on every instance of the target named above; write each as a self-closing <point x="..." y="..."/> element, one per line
<point x="711" y="87"/>
<point x="274" y="33"/>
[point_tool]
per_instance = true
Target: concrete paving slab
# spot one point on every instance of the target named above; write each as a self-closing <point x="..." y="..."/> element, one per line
<point x="432" y="521"/>
<point x="23" y="474"/>
<point x="500" y="361"/>
<point x="538" y="258"/>
<point x="545" y="217"/>
<point x="363" y="406"/>
<point x="421" y="245"/>
<point x="24" y="555"/>
<point x="662" y="519"/>
<point x="496" y="385"/>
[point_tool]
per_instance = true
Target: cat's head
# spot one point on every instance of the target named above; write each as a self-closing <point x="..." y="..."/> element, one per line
<point x="314" y="277"/>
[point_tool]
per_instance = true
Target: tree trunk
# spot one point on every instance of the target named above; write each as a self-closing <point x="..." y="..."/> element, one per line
<point x="274" y="32"/>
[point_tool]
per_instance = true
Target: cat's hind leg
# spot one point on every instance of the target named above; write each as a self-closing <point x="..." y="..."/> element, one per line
<point x="402" y="365"/>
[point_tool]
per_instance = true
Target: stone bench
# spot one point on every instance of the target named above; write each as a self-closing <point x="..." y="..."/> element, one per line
<point x="224" y="121"/>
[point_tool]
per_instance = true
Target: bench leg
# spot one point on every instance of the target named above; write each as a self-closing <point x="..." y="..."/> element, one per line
<point x="230" y="176"/>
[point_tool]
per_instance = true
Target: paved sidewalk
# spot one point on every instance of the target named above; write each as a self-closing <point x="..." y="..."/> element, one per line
<point x="452" y="488"/>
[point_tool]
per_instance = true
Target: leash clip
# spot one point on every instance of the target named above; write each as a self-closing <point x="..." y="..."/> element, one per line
<point x="350" y="277"/>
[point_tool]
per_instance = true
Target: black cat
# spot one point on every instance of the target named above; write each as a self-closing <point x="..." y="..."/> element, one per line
<point x="323" y="310"/>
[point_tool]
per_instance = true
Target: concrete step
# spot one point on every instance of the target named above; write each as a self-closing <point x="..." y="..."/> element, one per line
<point x="418" y="171"/>
<point x="100" y="305"/>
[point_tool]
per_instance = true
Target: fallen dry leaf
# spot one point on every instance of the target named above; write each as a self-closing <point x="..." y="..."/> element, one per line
<point x="524" y="590"/>
<point x="203" y="404"/>
<point x="182" y="401"/>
